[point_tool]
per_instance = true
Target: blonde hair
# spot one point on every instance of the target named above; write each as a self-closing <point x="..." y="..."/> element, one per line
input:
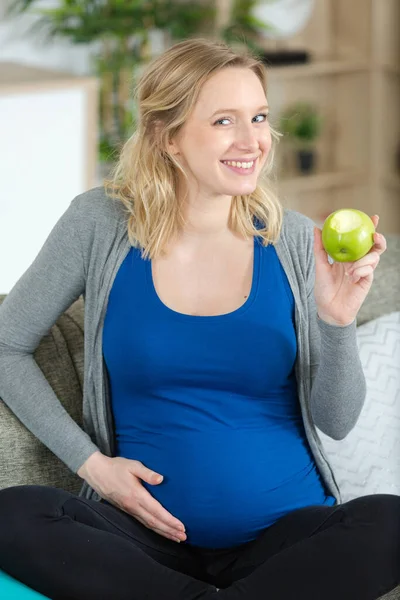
<point x="145" y="177"/>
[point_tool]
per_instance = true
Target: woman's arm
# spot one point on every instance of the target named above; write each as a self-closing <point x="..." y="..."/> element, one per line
<point x="338" y="386"/>
<point x="54" y="280"/>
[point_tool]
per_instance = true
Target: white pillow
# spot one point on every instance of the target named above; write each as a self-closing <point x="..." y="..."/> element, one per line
<point x="367" y="461"/>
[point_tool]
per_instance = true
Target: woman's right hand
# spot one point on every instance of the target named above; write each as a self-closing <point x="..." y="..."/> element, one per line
<point x="117" y="480"/>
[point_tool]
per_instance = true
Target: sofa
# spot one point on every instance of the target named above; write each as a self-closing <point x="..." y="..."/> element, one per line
<point x="60" y="356"/>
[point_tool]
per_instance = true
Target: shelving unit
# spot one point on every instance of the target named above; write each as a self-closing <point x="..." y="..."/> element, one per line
<point x="354" y="78"/>
<point x="321" y="181"/>
<point x="323" y="67"/>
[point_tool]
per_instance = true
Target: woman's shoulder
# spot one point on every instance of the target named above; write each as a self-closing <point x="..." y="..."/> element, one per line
<point x="98" y="203"/>
<point x="97" y="215"/>
<point x="296" y="220"/>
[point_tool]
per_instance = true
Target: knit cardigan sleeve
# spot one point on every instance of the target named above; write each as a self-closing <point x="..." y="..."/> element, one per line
<point x="54" y="280"/>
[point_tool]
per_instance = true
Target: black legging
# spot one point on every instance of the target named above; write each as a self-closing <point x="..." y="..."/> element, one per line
<point x="67" y="547"/>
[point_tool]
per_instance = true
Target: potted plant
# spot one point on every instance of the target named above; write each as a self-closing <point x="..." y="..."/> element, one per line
<point x="301" y="123"/>
<point x="121" y="32"/>
<point x="244" y="28"/>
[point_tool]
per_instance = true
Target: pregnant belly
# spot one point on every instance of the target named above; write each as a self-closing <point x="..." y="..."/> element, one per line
<point x="225" y="487"/>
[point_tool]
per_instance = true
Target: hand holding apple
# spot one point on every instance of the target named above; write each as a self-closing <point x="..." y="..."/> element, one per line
<point x="341" y="288"/>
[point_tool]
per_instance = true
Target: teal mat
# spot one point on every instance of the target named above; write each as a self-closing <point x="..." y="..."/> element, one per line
<point x="11" y="589"/>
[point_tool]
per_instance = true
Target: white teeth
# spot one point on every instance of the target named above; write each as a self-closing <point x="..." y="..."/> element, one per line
<point x="243" y="165"/>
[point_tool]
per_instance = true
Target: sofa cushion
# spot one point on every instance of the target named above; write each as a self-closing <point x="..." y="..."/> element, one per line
<point x="392" y="595"/>
<point x="60" y="356"/>
<point x="384" y="295"/>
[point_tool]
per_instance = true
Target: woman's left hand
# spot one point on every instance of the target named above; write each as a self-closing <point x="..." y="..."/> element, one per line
<point x="341" y="288"/>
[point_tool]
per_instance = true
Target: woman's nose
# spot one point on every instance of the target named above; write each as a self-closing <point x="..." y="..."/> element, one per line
<point x="247" y="138"/>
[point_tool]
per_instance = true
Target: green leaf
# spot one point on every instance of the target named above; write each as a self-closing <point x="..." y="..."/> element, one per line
<point x="301" y="121"/>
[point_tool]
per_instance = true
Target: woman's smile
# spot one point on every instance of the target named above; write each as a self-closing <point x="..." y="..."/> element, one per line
<point x="241" y="170"/>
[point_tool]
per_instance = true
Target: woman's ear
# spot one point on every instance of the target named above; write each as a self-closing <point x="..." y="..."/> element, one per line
<point x="173" y="149"/>
<point x="171" y="146"/>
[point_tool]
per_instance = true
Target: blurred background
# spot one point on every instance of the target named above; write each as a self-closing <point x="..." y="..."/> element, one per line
<point x="67" y="68"/>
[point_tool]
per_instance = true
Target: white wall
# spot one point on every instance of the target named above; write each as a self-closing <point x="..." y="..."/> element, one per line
<point x="42" y="151"/>
<point x="44" y="174"/>
<point x="42" y="155"/>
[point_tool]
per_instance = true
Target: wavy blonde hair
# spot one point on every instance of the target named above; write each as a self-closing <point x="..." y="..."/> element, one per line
<point x="145" y="177"/>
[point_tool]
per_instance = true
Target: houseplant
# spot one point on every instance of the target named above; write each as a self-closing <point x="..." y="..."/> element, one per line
<point x="120" y="29"/>
<point x="243" y="27"/>
<point x="301" y="123"/>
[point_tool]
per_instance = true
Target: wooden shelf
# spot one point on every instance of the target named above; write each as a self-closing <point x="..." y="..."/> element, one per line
<point x="320" y="181"/>
<point x="391" y="69"/>
<point x="311" y="69"/>
<point x="17" y="78"/>
<point x="352" y="78"/>
<point x="392" y="180"/>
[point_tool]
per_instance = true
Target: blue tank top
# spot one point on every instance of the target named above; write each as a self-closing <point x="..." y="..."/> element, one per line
<point x="210" y="402"/>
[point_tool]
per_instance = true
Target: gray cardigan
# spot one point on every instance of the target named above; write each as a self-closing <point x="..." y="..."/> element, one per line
<point x="82" y="255"/>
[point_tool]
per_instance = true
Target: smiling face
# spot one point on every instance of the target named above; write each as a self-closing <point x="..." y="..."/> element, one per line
<point x="228" y="123"/>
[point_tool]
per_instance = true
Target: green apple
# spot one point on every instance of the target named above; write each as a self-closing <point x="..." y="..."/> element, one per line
<point x="348" y="234"/>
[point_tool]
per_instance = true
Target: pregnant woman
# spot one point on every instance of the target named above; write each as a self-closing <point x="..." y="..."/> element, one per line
<point x="218" y="336"/>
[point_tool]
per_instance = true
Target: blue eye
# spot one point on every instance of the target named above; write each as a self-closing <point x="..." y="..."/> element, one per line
<point x="259" y="115"/>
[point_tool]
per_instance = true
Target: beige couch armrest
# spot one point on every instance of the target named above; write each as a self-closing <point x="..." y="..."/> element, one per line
<point x="60" y="356"/>
<point x="384" y="295"/>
